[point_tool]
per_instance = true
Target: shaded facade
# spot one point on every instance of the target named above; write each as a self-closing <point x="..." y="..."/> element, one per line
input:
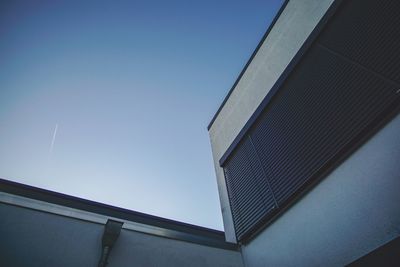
<point x="43" y="228"/>
<point x="305" y="143"/>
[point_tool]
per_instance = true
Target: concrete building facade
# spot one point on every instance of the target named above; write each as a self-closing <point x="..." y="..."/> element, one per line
<point x="352" y="207"/>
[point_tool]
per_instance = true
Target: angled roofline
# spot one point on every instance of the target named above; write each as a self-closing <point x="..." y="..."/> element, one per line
<point x="18" y="194"/>
<point x="248" y="63"/>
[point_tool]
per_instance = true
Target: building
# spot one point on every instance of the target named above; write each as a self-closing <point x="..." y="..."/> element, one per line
<point x="306" y="149"/>
<point x="43" y="228"/>
<point x="306" y="144"/>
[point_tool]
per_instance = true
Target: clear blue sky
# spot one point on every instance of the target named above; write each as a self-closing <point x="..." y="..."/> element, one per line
<point x="130" y="87"/>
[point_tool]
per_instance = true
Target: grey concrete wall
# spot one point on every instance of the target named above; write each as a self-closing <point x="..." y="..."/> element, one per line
<point x="34" y="238"/>
<point x="292" y="28"/>
<point x="350" y="213"/>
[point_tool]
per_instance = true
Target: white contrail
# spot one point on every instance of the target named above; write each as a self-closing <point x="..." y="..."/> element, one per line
<point x="54" y="139"/>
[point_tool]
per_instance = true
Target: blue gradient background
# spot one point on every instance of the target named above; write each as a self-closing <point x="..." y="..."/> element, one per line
<point x="132" y="86"/>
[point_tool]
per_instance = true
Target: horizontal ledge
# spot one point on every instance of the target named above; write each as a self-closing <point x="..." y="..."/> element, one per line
<point x="34" y="198"/>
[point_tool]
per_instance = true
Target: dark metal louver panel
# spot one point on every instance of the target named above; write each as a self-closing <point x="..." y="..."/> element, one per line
<point x="326" y="102"/>
<point x="250" y="196"/>
<point x="367" y="32"/>
<point x="344" y="85"/>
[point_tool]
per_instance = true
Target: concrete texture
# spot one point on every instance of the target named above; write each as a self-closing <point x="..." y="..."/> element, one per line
<point x="351" y="212"/>
<point x="39" y="239"/>
<point x="292" y="28"/>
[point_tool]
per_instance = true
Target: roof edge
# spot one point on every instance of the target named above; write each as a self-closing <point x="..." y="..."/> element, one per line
<point x="278" y="14"/>
<point x="176" y="230"/>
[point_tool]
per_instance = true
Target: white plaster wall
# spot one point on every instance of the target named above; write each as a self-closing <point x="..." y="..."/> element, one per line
<point x="39" y="239"/>
<point x="292" y="28"/>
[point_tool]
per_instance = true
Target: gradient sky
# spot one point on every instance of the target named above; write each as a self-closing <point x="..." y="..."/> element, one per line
<point x="130" y="87"/>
